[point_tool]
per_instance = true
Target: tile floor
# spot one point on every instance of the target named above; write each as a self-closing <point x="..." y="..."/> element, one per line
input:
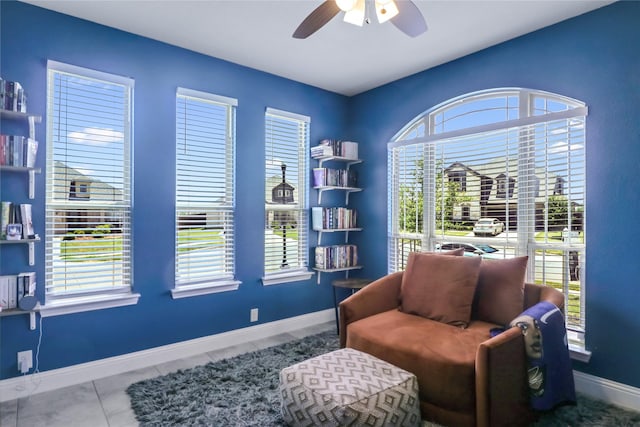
<point x="104" y="402"/>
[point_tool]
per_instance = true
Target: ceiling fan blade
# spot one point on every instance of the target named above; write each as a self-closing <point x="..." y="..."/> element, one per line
<point x="409" y="19"/>
<point x="316" y="19"/>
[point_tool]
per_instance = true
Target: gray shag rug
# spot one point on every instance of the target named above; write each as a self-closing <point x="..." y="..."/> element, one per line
<point x="243" y="391"/>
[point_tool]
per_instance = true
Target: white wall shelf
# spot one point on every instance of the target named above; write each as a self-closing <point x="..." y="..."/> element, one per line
<point x="336" y="230"/>
<point x="29" y="242"/>
<point x="31" y="172"/>
<point x="32" y="177"/>
<point x="335" y="270"/>
<point x="346" y="163"/>
<point x="347" y="190"/>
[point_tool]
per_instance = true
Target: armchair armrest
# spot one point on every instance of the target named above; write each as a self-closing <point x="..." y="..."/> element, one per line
<point x="502" y="390"/>
<point x="534" y="294"/>
<point x="381" y="295"/>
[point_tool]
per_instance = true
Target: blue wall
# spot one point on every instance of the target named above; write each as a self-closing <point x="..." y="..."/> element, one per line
<point x="30" y="36"/>
<point x="594" y="58"/>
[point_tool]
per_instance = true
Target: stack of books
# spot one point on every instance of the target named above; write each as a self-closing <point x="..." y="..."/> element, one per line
<point x="336" y="148"/>
<point x="12" y="96"/>
<point x="18" y="151"/>
<point x="321" y="151"/>
<point x="325" y="177"/>
<point x="334" y="218"/>
<point x="337" y="256"/>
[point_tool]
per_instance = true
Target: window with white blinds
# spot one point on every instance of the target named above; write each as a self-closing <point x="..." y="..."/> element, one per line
<point x="514" y="155"/>
<point x="205" y="201"/>
<point x="88" y="189"/>
<point x="286" y="204"/>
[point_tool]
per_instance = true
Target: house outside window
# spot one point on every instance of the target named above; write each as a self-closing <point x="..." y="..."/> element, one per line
<point x="79" y="190"/>
<point x="286" y="225"/>
<point x="523" y="157"/>
<point x="205" y="194"/>
<point x="88" y="190"/>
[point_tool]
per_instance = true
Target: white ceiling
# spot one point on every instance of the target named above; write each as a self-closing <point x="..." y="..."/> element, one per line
<point x="340" y="57"/>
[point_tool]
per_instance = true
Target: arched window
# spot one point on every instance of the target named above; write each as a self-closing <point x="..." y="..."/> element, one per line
<point x="514" y="158"/>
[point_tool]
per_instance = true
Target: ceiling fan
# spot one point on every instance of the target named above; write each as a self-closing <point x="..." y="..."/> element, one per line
<point x="404" y="14"/>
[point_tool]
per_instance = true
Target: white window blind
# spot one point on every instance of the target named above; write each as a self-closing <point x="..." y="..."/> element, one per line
<point x="205" y="201"/>
<point x="517" y="156"/>
<point x="286" y="203"/>
<point x="88" y="190"/>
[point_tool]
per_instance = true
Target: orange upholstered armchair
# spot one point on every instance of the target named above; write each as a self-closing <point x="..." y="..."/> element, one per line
<point x="435" y="320"/>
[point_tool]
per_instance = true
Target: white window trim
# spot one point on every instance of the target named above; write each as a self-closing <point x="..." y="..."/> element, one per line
<point x="87" y="303"/>
<point x="287" y="277"/>
<point x="577" y="342"/>
<point x="186" y="291"/>
<point x="62" y="305"/>
<point x="298" y="274"/>
<point x="191" y="93"/>
<point x="219" y="285"/>
<point x="288" y="114"/>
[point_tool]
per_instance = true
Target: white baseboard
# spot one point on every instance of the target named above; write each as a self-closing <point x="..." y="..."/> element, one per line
<point x="23" y="386"/>
<point x="598" y="388"/>
<point x="606" y="390"/>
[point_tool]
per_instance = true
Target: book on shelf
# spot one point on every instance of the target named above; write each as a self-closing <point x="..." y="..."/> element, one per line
<point x="337" y="148"/>
<point x="18" y="151"/>
<point x="5" y="218"/>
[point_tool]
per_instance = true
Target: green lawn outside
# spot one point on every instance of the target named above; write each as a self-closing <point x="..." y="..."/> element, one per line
<point x="109" y="248"/>
<point x="91" y="249"/>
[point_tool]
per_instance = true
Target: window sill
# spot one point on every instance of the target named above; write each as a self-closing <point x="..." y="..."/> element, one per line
<point x="293" y="276"/>
<point x="579" y="353"/>
<point x="77" y="305"/>
<point x="186" y="291"/>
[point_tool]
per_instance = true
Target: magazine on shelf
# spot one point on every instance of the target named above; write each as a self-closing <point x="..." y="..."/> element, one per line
<point x="27" y="221"/>
<point x="321" y="151"/>
<point x="319" y="177"/>
<point x="317" y="218"/>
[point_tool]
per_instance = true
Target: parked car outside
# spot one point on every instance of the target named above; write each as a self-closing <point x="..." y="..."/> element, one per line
<point x="488" y="226"/>
<point x="485" y="251"/>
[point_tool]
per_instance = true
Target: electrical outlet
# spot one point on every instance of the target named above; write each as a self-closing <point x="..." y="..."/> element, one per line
<point x="25" y="361"/>
<point x="254" y="314"/>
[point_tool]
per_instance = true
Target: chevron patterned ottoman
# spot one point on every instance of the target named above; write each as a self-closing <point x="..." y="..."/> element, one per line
<point x="347" y="387"/>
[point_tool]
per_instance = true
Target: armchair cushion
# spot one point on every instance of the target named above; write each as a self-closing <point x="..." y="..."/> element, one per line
<point x="440" y="287"/>
<point x="499" y="295"/>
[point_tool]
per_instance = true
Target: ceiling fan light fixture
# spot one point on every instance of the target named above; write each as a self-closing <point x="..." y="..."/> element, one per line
<point x="346" y="5"/>
<point x="385" y="10"/>
<point x="355" y="16"/>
